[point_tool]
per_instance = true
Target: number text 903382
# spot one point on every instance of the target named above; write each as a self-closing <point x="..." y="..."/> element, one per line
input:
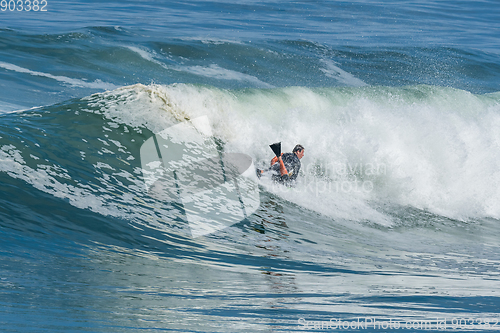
<point x="23" y="5"/>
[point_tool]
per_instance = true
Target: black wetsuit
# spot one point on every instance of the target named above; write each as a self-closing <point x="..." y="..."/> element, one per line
<point x="292" y="165"/>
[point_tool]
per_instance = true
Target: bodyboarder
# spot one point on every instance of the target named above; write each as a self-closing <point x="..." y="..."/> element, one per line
<point x="284" y="167"/>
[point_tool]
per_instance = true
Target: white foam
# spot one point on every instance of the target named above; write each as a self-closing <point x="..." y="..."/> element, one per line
<point x="432" y="148"/>
<point x="147" y="55"/>
<point x="97" y="84"/>
<point x="333" y="71"/>
<point x="216" y="72"/>
<point x="213" y="71"/>
<point x="213" y="41"/>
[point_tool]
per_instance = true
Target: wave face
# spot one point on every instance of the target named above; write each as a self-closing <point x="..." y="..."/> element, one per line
<point x="425" y="147"/>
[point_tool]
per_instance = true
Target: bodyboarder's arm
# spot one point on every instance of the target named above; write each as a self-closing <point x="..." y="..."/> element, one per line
<point x="283" y="170"/>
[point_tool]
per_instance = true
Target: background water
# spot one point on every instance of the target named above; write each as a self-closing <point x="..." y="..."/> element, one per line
<point x="396" y="215"/>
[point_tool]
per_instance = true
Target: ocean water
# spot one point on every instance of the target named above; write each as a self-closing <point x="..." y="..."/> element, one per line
<point x="392" y="226"/>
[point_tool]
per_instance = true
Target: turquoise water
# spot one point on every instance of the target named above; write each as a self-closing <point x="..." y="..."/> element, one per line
<point x="395" y="217"/>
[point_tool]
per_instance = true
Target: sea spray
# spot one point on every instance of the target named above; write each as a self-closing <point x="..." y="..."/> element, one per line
<point x="428" y="147"/>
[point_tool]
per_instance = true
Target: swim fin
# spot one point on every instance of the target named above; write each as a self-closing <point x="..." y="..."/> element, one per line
<point x="276" y="147"/>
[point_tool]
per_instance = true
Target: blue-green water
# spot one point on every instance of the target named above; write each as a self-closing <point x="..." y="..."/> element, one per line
<point x="396" y="214"/>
